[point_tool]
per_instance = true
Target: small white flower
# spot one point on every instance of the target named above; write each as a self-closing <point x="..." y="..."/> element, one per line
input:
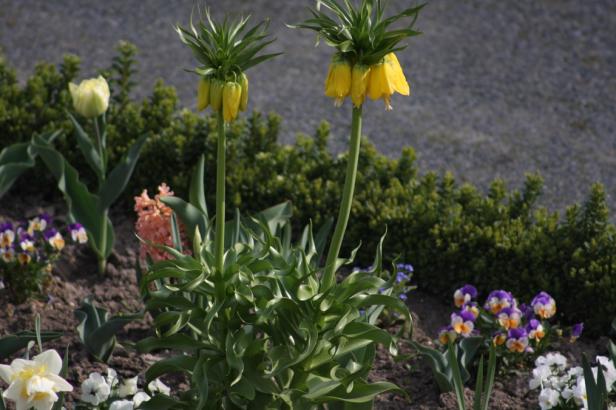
<point x="112" y="378"/>
<point x="160" y="387"/>
<point x="548" y="399"/>
<point x="553" y="360"/>
<point x="540" y="374"/>
<point x="95" y="390"/>
<point x="121" y="405"/>
<point x="139" y="398"/>
<point x="129" y="387"/>
<point x="34" y="383"/>
<point x="579" y="393"/>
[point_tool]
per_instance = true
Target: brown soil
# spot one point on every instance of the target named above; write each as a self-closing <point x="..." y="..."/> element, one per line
<point x="75" y="277"/>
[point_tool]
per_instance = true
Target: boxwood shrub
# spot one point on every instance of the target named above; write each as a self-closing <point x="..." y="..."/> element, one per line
<point x="452" y="233"/>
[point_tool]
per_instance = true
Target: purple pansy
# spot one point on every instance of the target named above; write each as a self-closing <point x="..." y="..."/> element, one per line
<point x="464" y="295"/>
<point x="544" y="305"/>
<point x="499" y="300"/>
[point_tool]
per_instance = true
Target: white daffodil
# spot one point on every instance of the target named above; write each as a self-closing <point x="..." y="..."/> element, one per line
<point x="95" y="390"/>
<point x="34" y="383"/>
<point x="139" y="398"/>
<point x="128" y="388"/>
<point x="121" y="405"/>
<point x="156" y="386"/>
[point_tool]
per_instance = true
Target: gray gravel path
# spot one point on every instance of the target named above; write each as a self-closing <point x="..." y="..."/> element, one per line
<point x="500" y="87"/>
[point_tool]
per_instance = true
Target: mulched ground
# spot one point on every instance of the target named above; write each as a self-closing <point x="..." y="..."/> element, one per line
<point x="75" y="277"/>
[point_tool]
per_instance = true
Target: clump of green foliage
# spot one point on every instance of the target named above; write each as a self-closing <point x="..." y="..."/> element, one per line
<point x="452" y="233"/>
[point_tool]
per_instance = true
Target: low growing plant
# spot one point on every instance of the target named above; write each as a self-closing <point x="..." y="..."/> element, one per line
<point x="28" y="251"/>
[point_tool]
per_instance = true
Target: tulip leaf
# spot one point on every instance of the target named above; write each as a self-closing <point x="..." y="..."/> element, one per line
<point x="16" y="159"/>
<point x="87" y="148"/>
<point x="97" y="329"/>
<point x="197" y="192"/>
<point x="9" y="345"/>
<point x="117" y="180"/>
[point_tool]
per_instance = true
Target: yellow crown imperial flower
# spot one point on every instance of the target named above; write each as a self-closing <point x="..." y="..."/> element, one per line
<point x="338" y="83"/>
<point x="359" y="83"/>
<point x="244" y="84"/>
<point x="90" y="97"/>
<point x="386" y="78"/>
<point x="231" y="98"/>
<point x="216" y="87"/>
<point x="203" y="93"/>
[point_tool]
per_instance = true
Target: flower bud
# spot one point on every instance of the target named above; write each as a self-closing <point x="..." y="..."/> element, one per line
<point x="231" y="97"/>
<point x="216" y="87"/>
<point x="90" y="97"/>
<point x="203" y="94"/>
<point x="338" y="83"/>
<point x="359" y="84"/>
<point x="244" y="99"/>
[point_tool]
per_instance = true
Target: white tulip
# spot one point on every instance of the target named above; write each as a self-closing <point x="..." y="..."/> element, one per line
<point x="90" y="97"/>
<point x="34" y="383"/>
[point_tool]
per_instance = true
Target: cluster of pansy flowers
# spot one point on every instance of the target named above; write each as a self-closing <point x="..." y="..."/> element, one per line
<point x="518" y="328"/>
<point x="35" y="242"/>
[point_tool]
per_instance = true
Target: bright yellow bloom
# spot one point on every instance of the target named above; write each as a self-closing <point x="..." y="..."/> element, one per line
<point x="216" y="87"/>
<point x="203" y="94"/>
<point x="399" y="80"/>
<point x="359" y="84"/>
<point x="244" y="100"/>
<point x="231" y="98"/>
<point x="338" y="83"/>
<point x="386" y="78"/>
<point x="90" y="97"/>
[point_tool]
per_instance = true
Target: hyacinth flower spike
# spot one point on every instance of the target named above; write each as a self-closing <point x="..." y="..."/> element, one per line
<point x="364" y="65"/>
<point x="224" y="50"/>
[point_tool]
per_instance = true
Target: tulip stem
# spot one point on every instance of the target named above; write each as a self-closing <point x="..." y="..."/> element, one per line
<point x="346" y="203"/>
<point x="220" y="196"/>
<point x="102" y="248"/>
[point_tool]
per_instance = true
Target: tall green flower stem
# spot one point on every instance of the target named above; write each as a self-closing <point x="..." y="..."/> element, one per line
<point x="219" y="240"/>
<point x="347" y="200"/>
<point x="101" y="146"/>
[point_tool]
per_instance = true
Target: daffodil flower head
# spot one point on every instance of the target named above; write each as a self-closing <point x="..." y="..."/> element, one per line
<point x="225" y="50"/>
<point x="338" y="83"/>
<point x="366" y="46"/>
<point x="34" y="383"/>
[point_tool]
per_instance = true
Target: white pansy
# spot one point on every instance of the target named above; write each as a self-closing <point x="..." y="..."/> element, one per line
<point x="139" y="398"/>
<point x="555" y="360"/>
<point x="129" y="387"/>
<point x="579" y="393"/>
<point x="112" y="378"/>
<point x="121" y="405"/>
<point x="95" y="389"/>
<point x="34" y="383"/>
<point x="160" y="387"/>
<point x="539" y="375"/>
<point x="548" y="399"/>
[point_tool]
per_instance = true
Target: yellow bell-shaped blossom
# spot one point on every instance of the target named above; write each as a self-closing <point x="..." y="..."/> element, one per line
<point x="386" y="78"/>
<point x="216" y="87"/>
<point x="90" y="97"/>
<point x="231" y="98"/>
<point x="338" y="83"/>
<point x="203" y="94"/>
<point x="400" y="84"/>
<point x="359" y="83"/>
<point x="244" y="99"/>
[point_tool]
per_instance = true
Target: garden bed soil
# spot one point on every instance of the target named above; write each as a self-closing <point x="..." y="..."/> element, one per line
<point x="75" y="277"/>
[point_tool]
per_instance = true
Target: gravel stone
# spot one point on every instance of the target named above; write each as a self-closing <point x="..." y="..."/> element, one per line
<point x="500" y="88"/>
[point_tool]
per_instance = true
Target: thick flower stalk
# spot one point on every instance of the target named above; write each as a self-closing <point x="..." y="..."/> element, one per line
<point x="365" y="65"/>
<point x="225" y="50"/>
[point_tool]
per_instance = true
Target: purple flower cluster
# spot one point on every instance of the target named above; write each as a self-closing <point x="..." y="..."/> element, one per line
<point x="516" y="327"/>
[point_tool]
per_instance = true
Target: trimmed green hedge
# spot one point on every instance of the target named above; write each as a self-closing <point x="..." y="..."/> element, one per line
<point x="451" y="233"/>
